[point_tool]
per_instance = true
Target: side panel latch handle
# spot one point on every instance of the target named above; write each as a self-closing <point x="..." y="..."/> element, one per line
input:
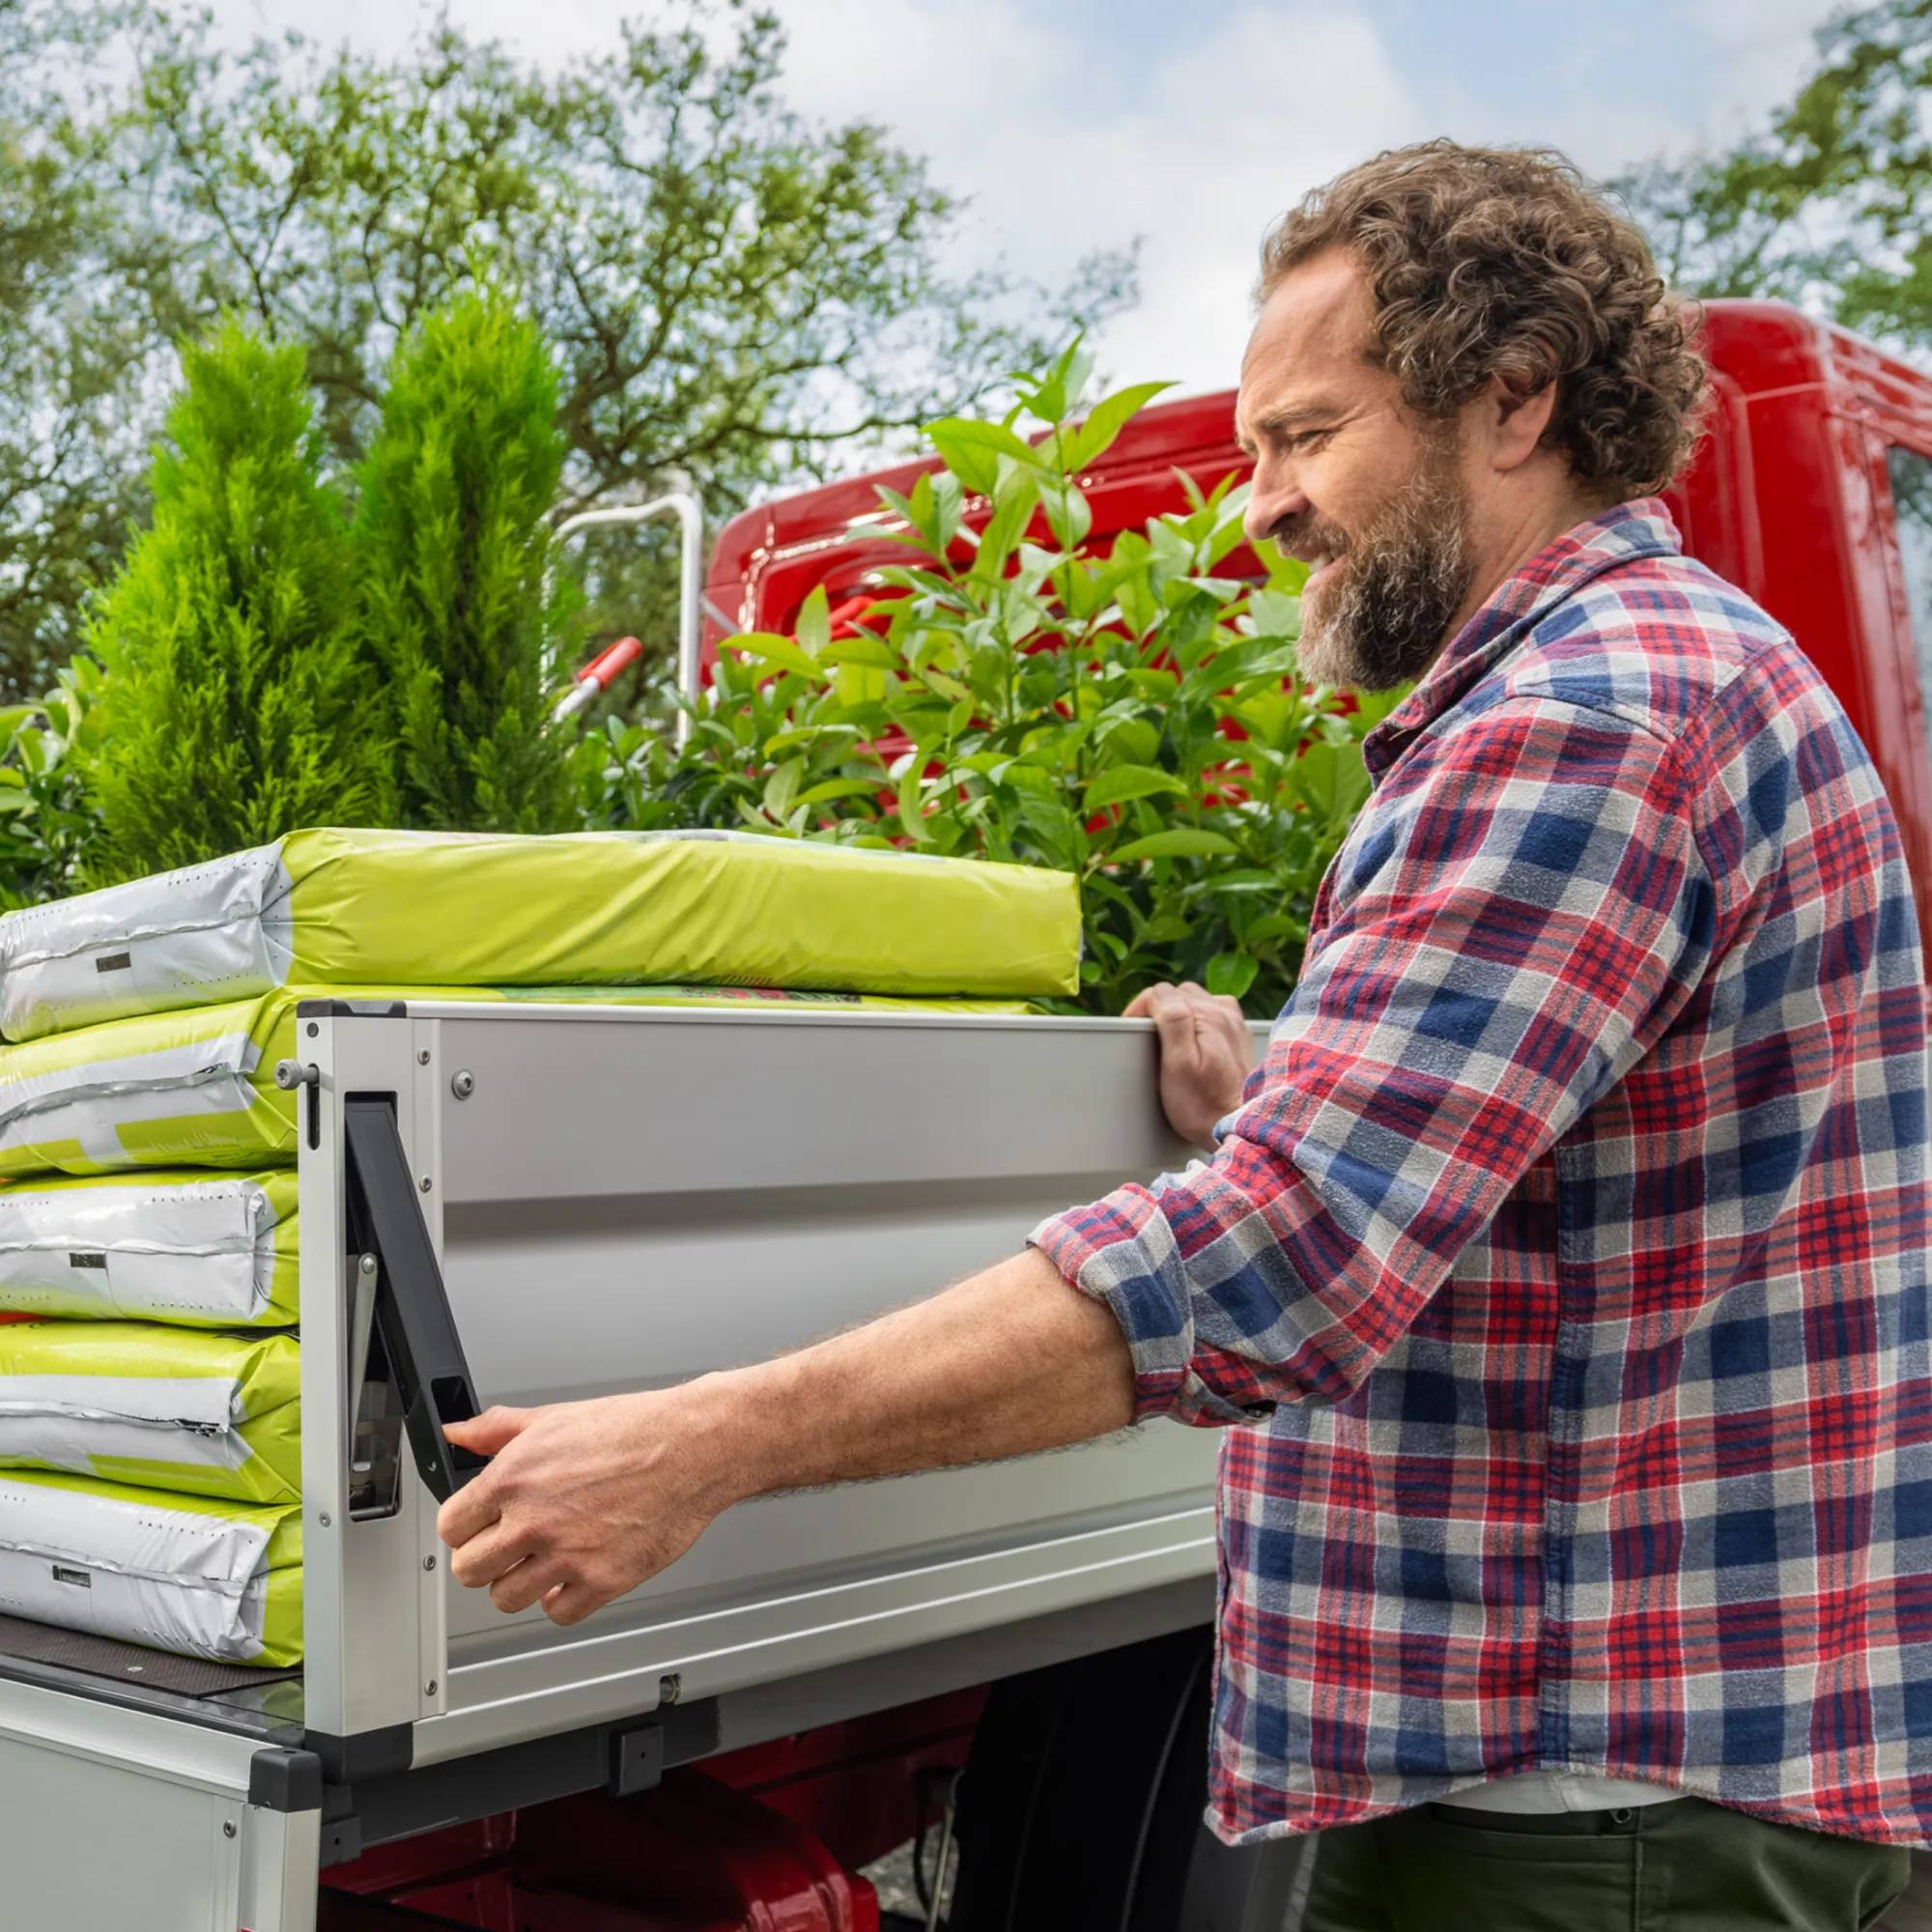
<point x="411" y="1304"/>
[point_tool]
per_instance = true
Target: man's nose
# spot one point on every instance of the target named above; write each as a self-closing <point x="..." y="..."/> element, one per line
<point x="1275" y="498"/>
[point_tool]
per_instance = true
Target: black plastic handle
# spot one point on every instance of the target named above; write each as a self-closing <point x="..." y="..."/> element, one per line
<point x="411" y="1304"/>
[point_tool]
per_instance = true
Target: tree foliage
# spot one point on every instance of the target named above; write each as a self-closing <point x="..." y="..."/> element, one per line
<point x="1125" y="712"/>
<point x="1829" y="205"/>
<point x="77" y="364"/>
<point x="232" y="700"/>
<point x="732" y="293"/>
<point x="452" y="540"/>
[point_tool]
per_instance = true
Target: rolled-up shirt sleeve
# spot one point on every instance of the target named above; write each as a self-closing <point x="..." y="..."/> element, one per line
<point x="1516" y="918"/>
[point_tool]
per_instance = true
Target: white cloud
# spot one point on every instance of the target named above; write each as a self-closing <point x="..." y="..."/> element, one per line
<point x="1217" y="139"/>
<point x="1765" y="45"/>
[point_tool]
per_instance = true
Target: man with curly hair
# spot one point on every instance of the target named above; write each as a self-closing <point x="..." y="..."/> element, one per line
<point x="1560" y="1275"/>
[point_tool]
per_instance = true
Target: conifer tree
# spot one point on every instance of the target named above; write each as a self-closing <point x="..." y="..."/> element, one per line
<point x="235" y="709"/>
<point x="453" y="539"/>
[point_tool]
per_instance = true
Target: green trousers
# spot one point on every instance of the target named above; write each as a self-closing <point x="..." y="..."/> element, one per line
<point x="1681" y="1866"/>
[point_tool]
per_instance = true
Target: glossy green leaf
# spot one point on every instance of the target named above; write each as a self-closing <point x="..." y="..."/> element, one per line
<point x="835" y="788"/>
<point x="911" y="785"/>
<point x="1232" y="973"/>
<point x="860" y="647"/>
<point x="1285" y="573"/>
<point x="1276" y="613"/>
<point x="948" y="688"/>
<point x="782" y="788"/>
<point x="858" y="687"/>
<point x="1019" y="494"/>
<point x="1106" y="420"/>
<point x="948" y="500"/>
<point x="813" y="625"/>
<point x="774" y="649"/>
<point x="1068" y="516"/>
<point x="1126" y="782"/>
<point x="1179" y="841"/>
<point x="972" y="450"/>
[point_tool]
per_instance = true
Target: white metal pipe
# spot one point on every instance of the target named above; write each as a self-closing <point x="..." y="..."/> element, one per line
<point x="690" y="515"/>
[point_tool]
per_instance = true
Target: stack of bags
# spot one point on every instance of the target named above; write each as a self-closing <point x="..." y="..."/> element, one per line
<point x="150" y="1364"/>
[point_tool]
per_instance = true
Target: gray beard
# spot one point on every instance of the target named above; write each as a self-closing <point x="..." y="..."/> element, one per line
<point x="1401" y="583"/>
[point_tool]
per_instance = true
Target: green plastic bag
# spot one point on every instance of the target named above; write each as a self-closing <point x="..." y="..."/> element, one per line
<point x="189" y="1089"/>
<point x="203" y="1250"/>
<point x="219" y="1581"/>
<point x="196" y="1086"/>
<point x="184" y="1409"/>
<point x="337" y="908"/>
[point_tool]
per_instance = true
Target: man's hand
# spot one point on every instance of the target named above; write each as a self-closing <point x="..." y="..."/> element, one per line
<point x="1206" y="1051"/>
<point x="585" y="1500"/>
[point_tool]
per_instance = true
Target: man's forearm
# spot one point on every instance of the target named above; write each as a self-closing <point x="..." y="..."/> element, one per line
<point x="585" y="1500"/>
<point x="1008" y="1361"/>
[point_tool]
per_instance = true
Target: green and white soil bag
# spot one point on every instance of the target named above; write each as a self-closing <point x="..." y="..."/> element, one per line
<point x="203" y="1250"/>
<point x="189" y="1089"/>
<point x="196" y="1087"/>
<point x="219" y="1580"/>
<point x="186" y="1409"/>
<point x="333" y="908"/>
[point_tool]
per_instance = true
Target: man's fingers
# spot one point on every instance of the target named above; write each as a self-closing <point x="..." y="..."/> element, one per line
<point x="530" y="1583"/>
<point x="1146" y="1002"/>
<point x="475" y="1507"/>
<point x="478" y="1503"/>
<point x="483" y="1557"/>
<point x="570" y="1601"/>
<point x="490" y="1432"/>
<point x="1176" y="1021"/>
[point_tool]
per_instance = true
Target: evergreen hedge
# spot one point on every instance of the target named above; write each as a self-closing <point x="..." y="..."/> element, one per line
<point x="452" y="539"/>
<point x="234" y="707"/>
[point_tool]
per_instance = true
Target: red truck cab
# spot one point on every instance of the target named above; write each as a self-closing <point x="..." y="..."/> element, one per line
<point x="1811" y="491"/>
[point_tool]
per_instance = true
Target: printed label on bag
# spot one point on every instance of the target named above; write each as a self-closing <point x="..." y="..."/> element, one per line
<point x="83" y="1258"/>
<point x="114" y="962"/>
<point x="62" y="1575"/>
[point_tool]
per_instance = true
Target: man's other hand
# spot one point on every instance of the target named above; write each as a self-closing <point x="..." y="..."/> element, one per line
<point x="1206" y="1051"/>
<point x="581" y="1501"/>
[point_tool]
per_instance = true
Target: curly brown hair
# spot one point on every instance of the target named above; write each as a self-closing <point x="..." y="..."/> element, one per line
<point x="1504" y="261"/>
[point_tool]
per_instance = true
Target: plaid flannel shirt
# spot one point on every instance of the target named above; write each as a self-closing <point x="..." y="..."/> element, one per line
<point x="1577" y="1221"/>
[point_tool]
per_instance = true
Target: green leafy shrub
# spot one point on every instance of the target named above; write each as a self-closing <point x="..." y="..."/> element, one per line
<point x="1126" y="714"/>
<point x="233" y="708"/>
<point x="47" y="820"/>
<point x="453" y="540"/>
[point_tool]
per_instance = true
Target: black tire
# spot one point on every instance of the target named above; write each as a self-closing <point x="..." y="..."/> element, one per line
<point x="1080" y="1810"/>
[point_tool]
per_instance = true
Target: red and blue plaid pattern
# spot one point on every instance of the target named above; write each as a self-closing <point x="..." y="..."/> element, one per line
<point x="1576" y="1219"/>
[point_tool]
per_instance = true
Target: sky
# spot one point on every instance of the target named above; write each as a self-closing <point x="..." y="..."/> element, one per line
<point x="1074" y="125"/>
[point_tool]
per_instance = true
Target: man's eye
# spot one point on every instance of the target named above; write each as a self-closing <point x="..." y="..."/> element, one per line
<point x="1306" y="440"/>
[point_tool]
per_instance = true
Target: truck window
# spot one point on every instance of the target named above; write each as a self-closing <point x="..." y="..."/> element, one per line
<point x="1912" y="504"/>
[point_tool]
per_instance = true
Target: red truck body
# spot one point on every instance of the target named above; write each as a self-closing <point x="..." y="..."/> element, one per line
<point x="1812" y="493"/>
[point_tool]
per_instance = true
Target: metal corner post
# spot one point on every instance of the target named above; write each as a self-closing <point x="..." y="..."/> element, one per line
<point x="684" y="505"/>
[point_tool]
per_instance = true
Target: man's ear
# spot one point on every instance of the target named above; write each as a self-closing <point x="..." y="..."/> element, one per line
<point x="1518" y="422"/>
